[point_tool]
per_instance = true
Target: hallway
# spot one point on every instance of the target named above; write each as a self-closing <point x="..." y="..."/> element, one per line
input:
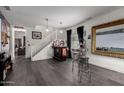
<point x="53" y="73"/>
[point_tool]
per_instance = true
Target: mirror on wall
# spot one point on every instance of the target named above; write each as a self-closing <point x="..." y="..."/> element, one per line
<point x="108" y="39"/>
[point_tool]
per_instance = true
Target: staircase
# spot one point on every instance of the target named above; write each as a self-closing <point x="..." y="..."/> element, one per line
<point x="37" y="49"/>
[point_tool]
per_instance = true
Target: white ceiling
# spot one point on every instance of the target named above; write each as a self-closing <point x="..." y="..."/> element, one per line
<point x="69" y="15"/>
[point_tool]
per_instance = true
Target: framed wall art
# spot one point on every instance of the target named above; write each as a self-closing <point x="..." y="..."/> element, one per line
<point x="108" y="38"/>
<point x="36" y="35"/>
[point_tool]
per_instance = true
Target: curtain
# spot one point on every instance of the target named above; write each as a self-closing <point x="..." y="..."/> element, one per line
<point x="80" y="31"/>
<point x="69" y="42"/>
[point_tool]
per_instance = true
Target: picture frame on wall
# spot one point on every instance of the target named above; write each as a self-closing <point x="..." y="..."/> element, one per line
<point x="36" y="35"/>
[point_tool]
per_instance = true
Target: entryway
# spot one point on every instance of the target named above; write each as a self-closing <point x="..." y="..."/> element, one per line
<point x="19" y="45"/>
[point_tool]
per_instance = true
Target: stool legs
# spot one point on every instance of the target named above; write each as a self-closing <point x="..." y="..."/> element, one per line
<point x="83" y="68"/>
<point x="72" y="65"/>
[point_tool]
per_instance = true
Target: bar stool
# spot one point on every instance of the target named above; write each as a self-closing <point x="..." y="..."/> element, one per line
<point x="75" y="57"/>
<point x="84" y="69"/>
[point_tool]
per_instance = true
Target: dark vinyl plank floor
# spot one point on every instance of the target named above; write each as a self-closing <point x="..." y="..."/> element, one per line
<point x="53" y="73"/>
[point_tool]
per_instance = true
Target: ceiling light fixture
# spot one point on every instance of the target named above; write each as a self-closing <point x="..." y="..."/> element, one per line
<point x="47" y="30"/>
<point x="61" y="31"/>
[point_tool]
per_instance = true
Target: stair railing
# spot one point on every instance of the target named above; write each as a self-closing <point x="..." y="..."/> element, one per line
<point x="35" y="49"/>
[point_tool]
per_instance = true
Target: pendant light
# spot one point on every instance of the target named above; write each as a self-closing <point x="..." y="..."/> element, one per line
<point x="61" y="31"/>
<point x="47" y="30"/>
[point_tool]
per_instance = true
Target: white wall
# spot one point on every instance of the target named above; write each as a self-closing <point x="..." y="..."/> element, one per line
<point x="115" y="64"/>
<point x="28" y="42"/>
<point x="62" y="36"/>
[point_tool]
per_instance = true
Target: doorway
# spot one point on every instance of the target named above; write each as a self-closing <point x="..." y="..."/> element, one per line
<point x="19" y="43"/>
